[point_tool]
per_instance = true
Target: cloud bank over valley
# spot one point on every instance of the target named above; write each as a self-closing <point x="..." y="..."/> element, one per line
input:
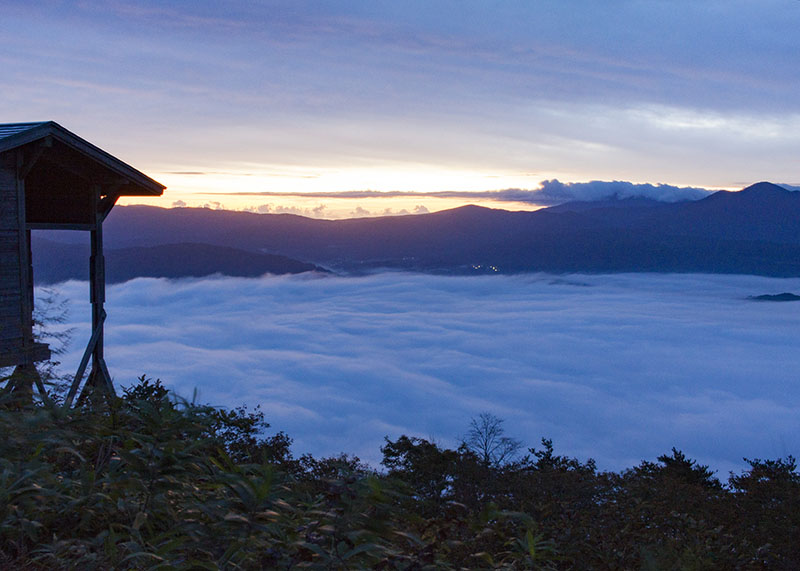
<point x="618" y="367"/>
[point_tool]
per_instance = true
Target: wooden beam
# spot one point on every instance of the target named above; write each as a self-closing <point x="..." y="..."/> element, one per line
<point x="56" y="159"/>
<point x="38" y="352"/>
<point x="59" y="226"/>
<point x="89" y="172"/>
<point x="45" y="143"/>
<point x="107" y="203"/>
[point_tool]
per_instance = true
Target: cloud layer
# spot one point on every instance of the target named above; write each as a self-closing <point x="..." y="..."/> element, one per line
<point x="617" y="367"/>
<point x="556" y="192"/>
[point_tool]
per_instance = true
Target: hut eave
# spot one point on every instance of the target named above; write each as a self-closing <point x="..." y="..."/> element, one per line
<point x="136" y="183"/>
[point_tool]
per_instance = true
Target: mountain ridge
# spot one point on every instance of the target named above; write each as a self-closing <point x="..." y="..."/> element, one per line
<point x="756" y="230"/>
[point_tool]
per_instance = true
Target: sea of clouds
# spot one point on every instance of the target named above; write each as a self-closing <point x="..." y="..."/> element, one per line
<point x="616" y="367"/>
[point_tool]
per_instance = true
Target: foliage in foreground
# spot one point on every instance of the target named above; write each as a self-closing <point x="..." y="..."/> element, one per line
<point x="151" y="483"/>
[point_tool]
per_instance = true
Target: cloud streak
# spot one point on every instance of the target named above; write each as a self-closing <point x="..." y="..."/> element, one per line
<point x="550" y="192"/>
<point x="617" y="367"/>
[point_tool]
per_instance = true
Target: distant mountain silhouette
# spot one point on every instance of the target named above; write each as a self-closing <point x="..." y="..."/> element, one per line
<point x="785" y="296"/>
<point x="55" y="262"/>
<point x="753" y="231"/>
<point x="583" y="205"/>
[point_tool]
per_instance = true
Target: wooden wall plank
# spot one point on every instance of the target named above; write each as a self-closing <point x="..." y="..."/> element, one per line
<point x="10" y="331"/>
<point x="9" y="307"/>
<point x="12" y="322"/>
<point x="11" y="344"/>
<point x="8" y="240"/>
<point x="9" y="278"/>
<point x="8" y="194"/>
<point x="9" y="262"/>
<point x="8" y="259"/>
<point x="9" y="274"/>
<point x="11" y="352"/>
<point x="8" y="214"/>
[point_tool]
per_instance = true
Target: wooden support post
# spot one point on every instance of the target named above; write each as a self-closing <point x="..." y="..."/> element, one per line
<point x="20" y="384"/>
<point x="87" y="354"/>
<point x="22" y="380"/>
<point x="99" y="376"/>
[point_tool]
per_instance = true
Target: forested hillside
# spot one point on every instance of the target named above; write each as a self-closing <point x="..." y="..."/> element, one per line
<point x="148" y="482"/>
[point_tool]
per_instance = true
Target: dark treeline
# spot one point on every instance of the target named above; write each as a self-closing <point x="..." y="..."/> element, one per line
<point x="149" y="482"/>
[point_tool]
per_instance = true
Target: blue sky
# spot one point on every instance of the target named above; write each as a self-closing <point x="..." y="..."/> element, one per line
<point x="461" y="96"/>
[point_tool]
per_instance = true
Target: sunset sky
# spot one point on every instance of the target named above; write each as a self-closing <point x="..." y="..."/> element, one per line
<point x="219" y="100"/>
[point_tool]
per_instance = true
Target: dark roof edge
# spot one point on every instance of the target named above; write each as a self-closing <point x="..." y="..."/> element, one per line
<point x="51" y="128"/>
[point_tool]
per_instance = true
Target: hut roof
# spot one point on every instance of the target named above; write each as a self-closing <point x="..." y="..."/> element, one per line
<point x="14" y="135"/>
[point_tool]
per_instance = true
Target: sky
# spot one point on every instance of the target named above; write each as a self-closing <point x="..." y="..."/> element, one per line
<point x="240" y="104"/>
<point x="620" y="368"/>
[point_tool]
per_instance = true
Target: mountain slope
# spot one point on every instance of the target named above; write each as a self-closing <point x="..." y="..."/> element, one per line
<point x="756" y="230"/>
<point x="55" y="262"/>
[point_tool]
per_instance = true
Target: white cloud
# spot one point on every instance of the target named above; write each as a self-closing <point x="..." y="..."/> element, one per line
<point x="618" y="367"/>
<point x="556" y="192"/>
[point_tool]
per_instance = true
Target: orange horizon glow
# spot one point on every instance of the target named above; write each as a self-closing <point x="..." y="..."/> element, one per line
<point x="291" y="189"/>
<point x="270" y="189"/>
<point x="327" y="207"/>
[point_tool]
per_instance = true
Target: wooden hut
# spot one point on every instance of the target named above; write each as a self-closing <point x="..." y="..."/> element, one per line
<point x="52" y="179"/>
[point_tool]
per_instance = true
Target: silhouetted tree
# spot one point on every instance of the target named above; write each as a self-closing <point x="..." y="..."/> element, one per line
<point x="487" y="438"/>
